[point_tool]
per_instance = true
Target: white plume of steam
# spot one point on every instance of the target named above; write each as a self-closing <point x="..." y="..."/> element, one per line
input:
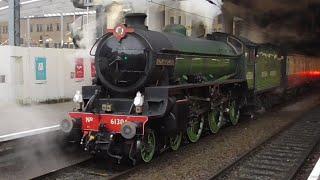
<point x="113" y="15"/>
<point x="202" y="12"/>
<point x="114" y="9"/>
<point x="86" y="30"/>
<point x="202" y="7"/>
<point x="132" y="5"/>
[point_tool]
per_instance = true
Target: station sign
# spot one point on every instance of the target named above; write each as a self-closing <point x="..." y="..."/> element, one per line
<point x="79" y="68"/>
<point x="41" y="68"/>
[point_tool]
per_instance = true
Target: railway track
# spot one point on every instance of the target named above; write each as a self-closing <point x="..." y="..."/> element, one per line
<point x="32" y="156"/>
<point x="89" y="170"/>
<point x="93" y="169"/>
<point x="306" y="127"/>
<point x="281" y="156"/>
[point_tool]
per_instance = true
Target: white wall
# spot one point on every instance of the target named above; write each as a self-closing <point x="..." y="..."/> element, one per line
<point x="5" y="88"/>
<point x="60" y="64"/>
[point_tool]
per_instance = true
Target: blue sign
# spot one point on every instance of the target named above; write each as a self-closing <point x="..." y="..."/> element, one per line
<point x="41" y="68"/>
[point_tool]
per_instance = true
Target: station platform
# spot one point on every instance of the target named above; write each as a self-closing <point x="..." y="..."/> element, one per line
<point x="19" y="121"/>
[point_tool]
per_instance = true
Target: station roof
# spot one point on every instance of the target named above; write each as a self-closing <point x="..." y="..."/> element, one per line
<point x="41" y="8"/>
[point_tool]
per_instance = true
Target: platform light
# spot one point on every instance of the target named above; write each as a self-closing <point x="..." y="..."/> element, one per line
<point x="66" y="125"/>
<point x="77" y="97"/>
<point x="138" y="102"/>
<point x="128" y="130"/>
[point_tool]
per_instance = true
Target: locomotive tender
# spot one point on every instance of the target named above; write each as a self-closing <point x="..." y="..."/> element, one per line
<point x="154" y="87"/>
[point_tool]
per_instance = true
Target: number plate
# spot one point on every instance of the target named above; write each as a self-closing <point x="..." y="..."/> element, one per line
<point x="114" y="122"/>
<point x="91" y="122"/>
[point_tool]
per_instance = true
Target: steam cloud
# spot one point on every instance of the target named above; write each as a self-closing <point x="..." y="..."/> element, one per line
<point x="201" y="13"/>
<point x="278" y="22"/>
<point x="202" y="8"/>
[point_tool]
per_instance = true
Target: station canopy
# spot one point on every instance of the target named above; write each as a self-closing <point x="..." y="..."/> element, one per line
<point x="42" y="8"/>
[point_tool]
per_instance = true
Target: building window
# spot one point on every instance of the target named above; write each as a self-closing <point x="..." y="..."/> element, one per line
<point x="31" y="28"/>
<point x="68" y="26"/>
<point x="58" y="27"/>
<point x="180" y="19"/>
<point x="171" y="20"/>
<point x="65" y="45"/>
<point x="49" y="27"/>
<point x="39" y="27"/>
<point x="220" y="17"/>
<point x="4" y="29"/>
<point x="2" y="78"/>
<point x="88" y="2"/>
<point x="40" y="39"/>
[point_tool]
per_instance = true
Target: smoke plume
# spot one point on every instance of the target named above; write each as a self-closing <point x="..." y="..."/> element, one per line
<point x="291" y="23"/>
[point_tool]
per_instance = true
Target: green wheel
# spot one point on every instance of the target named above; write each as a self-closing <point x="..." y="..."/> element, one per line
<point x="148" y="146"/>
<point x="175" y="141"/>
<point x="195" y="129"/>
<point x="215" y="119"/>
<point x="234" y="112"/>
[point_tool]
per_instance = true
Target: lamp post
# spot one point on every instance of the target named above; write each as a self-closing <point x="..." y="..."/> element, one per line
<point x="14" y="22"/>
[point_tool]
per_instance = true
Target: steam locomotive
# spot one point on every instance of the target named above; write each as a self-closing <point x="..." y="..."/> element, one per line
<point x="154" y="88"/>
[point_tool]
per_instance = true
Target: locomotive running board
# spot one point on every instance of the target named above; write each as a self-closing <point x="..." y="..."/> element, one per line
<point x="162" y="95"/>
<point x="198" y="85"/>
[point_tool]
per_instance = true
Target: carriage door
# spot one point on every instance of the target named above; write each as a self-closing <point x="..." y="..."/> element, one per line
<point x="17" y="78"/>
<point x="250" y="56"/>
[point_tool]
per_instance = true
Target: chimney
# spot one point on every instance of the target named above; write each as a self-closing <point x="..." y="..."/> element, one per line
<point x="136" y="20"/>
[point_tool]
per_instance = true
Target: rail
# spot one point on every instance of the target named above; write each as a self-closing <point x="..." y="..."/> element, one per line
<point x="280" y="157"/>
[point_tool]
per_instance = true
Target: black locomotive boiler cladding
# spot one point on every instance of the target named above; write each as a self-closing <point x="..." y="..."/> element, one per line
<point x="127" y="66"/>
